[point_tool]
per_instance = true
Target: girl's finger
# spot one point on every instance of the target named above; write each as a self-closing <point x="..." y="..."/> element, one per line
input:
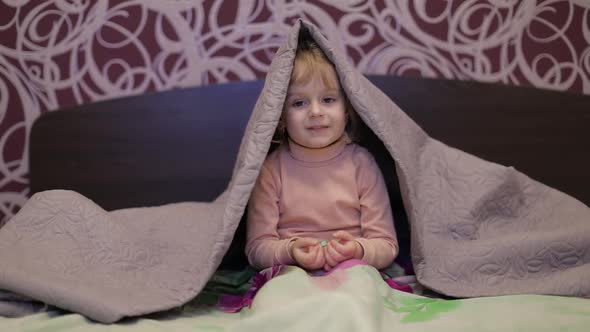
<point x="321" y="252"/>
<point x="347" y="249"/>
<point x="319" y="258"/>
<point x="315" y="259"/>
<point x="330" y="260"/>
<point x="328" y="257"/>
<point x="340" y="246"/>
<point x="333" y="257"/>
<point x="305" y="242"/>
<point x="314" y="251"/>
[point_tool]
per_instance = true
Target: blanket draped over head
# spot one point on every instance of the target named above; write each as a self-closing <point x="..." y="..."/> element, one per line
<point x="477" y="228"/>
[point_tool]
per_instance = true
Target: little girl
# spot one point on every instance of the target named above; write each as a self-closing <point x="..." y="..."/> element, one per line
<point x="320" y="199"/>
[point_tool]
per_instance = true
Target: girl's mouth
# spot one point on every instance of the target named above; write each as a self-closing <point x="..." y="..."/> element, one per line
<point x="317" y="127"/>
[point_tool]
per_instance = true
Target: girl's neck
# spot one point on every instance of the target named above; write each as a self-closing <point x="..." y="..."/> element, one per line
<point x="306" y="154"/>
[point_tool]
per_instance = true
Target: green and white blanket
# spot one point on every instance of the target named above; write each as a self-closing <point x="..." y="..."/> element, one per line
<point x="353" y="299"/>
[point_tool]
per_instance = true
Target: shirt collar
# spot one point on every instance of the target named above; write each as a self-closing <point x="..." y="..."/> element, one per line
<point x="305" y="154"/>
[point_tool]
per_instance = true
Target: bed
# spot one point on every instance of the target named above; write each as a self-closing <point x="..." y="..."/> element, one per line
<point x="181" y="145"/>
<point x="118" y="152"/>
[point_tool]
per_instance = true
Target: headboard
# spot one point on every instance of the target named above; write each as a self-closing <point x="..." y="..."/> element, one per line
<point x="152" y="149"/>
<point x="180" y="145"/>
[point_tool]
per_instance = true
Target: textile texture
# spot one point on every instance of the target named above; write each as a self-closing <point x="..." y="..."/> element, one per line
<point x="477" y="228"/>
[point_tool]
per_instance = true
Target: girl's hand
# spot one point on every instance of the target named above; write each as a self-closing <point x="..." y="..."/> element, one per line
<point x="342" y="247"/>
<point x="308" y="253"/>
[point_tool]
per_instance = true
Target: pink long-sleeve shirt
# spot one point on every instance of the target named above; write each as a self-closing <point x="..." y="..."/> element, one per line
<point x="299" y="194"/>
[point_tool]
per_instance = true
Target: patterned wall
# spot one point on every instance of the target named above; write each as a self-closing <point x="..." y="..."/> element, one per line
<point x="65" y="52"/>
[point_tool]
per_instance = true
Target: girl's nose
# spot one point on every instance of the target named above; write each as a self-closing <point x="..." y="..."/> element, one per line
<point x="315" y="109"/>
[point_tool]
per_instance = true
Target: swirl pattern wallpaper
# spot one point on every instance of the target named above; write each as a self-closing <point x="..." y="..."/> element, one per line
<point x="60" y="53"/>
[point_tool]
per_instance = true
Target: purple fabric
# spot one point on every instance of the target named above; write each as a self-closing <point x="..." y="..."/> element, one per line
<point x="400" y="287"/>
<point x="234" y="303"/>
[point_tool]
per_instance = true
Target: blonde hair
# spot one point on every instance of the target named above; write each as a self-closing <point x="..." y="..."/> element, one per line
<point x="311" y="61"/>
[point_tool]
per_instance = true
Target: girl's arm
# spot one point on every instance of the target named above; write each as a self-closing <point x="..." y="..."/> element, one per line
<point x="263" y="246"/>
<point x="379" y="241"/>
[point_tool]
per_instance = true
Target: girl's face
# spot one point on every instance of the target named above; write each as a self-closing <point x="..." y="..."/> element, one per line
<point x="315" y="114"/>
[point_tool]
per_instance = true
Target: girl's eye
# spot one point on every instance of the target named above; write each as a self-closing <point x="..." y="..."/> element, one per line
<point x="329" y="100"/>
<point x="297" y="103"/>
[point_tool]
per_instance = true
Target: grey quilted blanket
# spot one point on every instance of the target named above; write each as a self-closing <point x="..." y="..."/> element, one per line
<point x="478" y="228"/>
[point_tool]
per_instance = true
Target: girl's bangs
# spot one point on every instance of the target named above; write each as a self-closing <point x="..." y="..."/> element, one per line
<point x="308" y="65"/>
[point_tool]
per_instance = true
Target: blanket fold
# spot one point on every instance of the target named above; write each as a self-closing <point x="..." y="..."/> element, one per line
<point x="477" y="228"/>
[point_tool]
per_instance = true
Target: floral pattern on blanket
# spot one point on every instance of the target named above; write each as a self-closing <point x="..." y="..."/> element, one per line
<point x="360" y="299"/>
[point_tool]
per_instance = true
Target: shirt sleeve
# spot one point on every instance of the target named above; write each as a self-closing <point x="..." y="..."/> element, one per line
<point x="378" y="238"/>
<point x="263" y="246"/>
